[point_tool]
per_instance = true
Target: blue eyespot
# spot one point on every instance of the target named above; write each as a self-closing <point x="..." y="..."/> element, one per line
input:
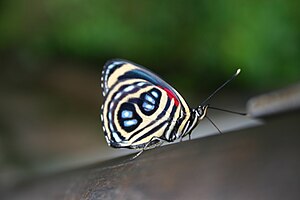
<point x="147" y="106"/>
<point x="155" y="94"/>
<point x="149" y="101"/>
<point x="127" y="114"/>
<point x="128" y="118"/>
<point x="130" y="122"/>
<point x="149" y="98"/>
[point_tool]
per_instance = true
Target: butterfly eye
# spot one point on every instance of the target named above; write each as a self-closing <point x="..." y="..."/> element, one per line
<point x="200" y="110"/>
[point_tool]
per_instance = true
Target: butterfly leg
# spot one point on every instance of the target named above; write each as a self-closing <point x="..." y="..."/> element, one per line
<point x="137" y="155"/>
<point x="190" y="137"/>
<point x="149" y="146"/>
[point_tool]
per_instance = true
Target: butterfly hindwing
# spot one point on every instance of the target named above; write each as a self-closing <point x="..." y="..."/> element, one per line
<point x="139" y="106"/>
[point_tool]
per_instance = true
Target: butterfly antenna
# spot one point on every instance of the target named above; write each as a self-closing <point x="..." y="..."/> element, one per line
<point x="222" y="86"/>
<point x="229" y="111"/>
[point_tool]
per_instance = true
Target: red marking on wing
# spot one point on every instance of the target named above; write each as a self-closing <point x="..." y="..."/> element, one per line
<point x="171" y="95"/>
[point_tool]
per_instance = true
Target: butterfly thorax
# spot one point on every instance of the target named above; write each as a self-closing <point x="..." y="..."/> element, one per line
<point x="196" y="116"/>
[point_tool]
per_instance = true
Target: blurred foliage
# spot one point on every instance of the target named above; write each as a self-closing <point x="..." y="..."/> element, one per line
<point x="52" y="51"/>
<point x="183" y="39"/>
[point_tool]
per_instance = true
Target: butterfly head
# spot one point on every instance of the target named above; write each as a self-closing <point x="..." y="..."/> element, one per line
<point x="197" y="115"/>
<point x="201" y="111"/>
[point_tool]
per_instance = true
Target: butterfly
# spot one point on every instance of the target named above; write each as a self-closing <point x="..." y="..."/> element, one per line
<point x="141" y="110"/>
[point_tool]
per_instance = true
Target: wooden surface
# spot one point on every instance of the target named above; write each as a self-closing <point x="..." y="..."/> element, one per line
<point x="276" y="102"/>
<point x="256" y="163"/>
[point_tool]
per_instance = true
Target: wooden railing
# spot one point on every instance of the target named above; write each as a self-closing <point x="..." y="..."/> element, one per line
<point x="261" y="162"/>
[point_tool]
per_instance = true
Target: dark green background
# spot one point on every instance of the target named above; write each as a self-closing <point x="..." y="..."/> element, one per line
<point x="52" y="53"/>
<point x="190" y="37"/>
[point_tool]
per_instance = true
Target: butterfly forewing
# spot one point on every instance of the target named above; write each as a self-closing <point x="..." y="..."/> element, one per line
<point x="139" y="106"/>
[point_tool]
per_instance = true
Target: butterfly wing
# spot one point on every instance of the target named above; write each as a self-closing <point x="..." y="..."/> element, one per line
<point x="139" y="106"/>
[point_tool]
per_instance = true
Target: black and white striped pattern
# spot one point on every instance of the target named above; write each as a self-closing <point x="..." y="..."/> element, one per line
<point x="139" y="107"/>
